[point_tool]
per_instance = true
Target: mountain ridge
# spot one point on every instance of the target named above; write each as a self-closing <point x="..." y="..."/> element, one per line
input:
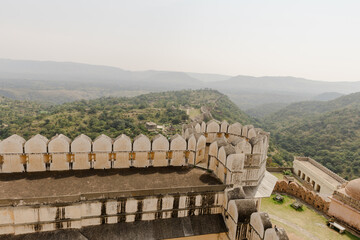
<point x="87" y="81"/>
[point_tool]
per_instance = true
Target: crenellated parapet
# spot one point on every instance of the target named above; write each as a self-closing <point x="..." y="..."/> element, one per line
<point x="60" y="153"/>
<point x="236" y="154"/>
<point x="224" y="174"/>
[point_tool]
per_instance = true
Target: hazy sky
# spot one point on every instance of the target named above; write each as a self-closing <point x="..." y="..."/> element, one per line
<point x="315" y="39"/>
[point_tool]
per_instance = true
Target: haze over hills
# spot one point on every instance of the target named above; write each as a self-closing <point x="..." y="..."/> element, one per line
<point x="59" y="82"/>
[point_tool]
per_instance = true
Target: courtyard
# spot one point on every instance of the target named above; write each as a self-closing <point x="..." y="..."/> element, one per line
<point x="306" y="224"/>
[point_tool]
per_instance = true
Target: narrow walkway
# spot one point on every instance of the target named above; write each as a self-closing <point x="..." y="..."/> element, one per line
<point x="296" y="227"/>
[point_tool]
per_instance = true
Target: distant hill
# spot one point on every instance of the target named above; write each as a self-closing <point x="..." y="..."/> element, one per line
<point x="205" y="77"/>
<point x="327" y="96"/>
<point x="59" y="82"/>
<point x="326" y="131"/>
<point x="285" y="85"/>
<point x="310" y="109"/>
<point x="113" y="116"/>
<point x="266" y="109"/>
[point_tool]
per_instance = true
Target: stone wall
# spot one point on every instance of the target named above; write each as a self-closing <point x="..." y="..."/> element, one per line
<point x="235" y="153"/>
<point x="26" y="218"/>
<point x="322" y="168"/>
<point x="317" y="176"/>
<point x="245" y="222"/>
<point x="60" y="153"/>
<point x="346" y="210"/>
<point x="308" y="196"/>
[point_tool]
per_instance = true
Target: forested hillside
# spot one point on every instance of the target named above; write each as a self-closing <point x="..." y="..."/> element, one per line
<point x="113" y="116"/>
<point x="329" y="132"/>
<point x="326" y="131"/>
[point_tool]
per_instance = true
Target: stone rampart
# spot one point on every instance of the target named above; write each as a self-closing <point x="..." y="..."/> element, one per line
<point x="60" y="153"/>
<point x="97" y="209"/>
<point x="245" y="222"/>
<point x="235" y="153"/>
<point x="308" y="196"/>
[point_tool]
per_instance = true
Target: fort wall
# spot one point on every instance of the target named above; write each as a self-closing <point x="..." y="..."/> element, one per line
<point x="312" y="198"/>
<point x="92" y="209"/>
<point x="239" y="159"/>
<point x="236" y="154"/>
<point x="316" y="176"/>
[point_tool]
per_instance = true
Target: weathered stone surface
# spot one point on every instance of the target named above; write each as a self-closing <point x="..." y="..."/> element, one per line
<point x="224" y="126"/>
<point x="197" y="128"/>
<point x="36" y="147"/>
<point x="59" y="144"/>
<point x="212" y="130"/>
<point x="240" y="211"/>
<point x="102" y="146"/>
<point x="81" y="144"/>
<point x="12" y="144"/>
<point x="102" y="143"/>
<point x="213" y="153"/>
<point x="235" y="129"/>
<point x="36" y="144"/>
<point x="12" y="163"/>
<point x="220" y="169"/>
<point x="81" y="147"/>
<point x="260" y="222"/>
<point x="191" y="147"/>
<point x="203" y="127"/>
<point x="235" y="163"/>
<point x="122" y="148"/>
<point x="160" y="147"/>
<point x="275" y="234"/>
<point x="11" y="149"/>
<point x="257" y="145"/>
<point x="129" y="181"/>
<point x="251" y="133"/>
<point x="142" y="147"/>
<point x="242" y="146"/>
<point x="59" y="147"/>
<point x="200" y="148"/>
<point x="178" y="148"/>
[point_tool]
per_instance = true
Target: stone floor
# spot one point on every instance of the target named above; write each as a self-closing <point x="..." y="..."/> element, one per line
<point x="16" y="186"/>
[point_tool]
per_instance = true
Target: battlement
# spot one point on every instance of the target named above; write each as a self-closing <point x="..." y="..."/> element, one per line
<point x="227" y="150"/>
<point x="213" y="168"/>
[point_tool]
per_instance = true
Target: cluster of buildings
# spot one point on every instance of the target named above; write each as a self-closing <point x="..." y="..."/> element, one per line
<point x="342" y="197"/>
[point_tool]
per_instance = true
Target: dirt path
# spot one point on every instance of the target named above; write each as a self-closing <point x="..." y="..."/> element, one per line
<point x="296" y="227"/>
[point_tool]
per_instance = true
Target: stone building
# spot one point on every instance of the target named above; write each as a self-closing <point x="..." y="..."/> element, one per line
<point x="318" y="177"/>
<point x="150" y="126"/>
<point x="345" y="204"/>
<point x="206" y="184"/>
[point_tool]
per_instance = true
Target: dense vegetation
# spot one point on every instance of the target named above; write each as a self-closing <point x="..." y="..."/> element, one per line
<point x="113" y="116"/>
<point x="328" y="132"/>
